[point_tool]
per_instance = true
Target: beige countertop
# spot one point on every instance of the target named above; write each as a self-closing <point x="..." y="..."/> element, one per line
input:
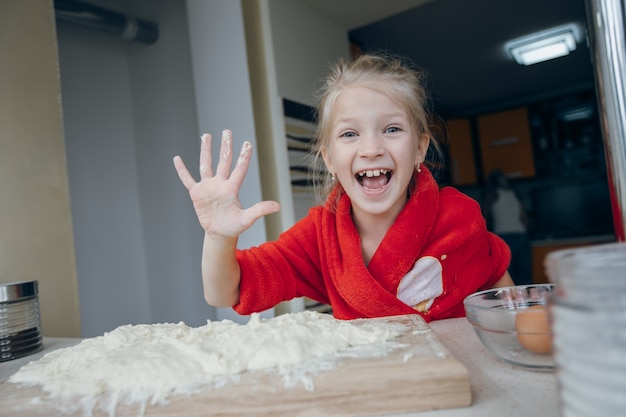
<point x="498" y="389"/>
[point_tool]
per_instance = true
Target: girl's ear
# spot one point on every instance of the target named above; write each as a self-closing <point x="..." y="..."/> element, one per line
<point x="327" y="161"/>
<point x="422" y="148"/>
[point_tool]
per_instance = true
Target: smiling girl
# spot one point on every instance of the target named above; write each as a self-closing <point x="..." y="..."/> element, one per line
<point x="387" y="240"/>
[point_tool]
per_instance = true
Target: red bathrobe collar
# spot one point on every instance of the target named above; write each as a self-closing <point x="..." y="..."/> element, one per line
<point x="359" y="285"/>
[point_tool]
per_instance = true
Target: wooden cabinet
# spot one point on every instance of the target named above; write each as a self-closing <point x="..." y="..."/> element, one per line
<point x="539" y="255"/>
<point x="505" y="143"/>
<point x="461" y="150"/>
<point x="540" y="251"/>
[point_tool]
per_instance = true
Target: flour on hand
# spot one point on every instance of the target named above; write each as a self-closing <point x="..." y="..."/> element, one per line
<point x="147" y="363"/>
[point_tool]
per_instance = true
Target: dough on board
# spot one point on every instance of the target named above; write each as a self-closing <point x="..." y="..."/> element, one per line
<point x="147" y="363"/>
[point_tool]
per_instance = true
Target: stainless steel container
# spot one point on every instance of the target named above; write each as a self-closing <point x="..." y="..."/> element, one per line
<point x="20" y="321"/>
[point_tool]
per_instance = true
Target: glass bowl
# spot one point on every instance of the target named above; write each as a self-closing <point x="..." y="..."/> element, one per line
<point x="513" y="323"/>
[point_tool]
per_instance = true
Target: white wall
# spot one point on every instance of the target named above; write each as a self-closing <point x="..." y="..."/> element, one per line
<point x="97" y="111"/>
<point x="305" y="44"/>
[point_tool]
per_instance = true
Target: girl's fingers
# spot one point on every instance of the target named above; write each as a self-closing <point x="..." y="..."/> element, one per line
<point x="206" y="165"/>
<point x="183" y="173"/>
<point x="224" y="164"/>
<point x="226" y="155"/>
<point x="243" y="162"/>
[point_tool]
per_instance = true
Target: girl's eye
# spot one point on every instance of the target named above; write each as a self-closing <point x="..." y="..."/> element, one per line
<point x="392" y="129"/>
<point x="348" y="134"/>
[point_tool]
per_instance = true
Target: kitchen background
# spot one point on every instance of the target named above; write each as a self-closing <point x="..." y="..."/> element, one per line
<point x="113" y="239"/>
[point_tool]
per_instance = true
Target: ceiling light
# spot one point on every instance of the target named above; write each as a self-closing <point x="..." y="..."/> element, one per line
<point x="544" y="45"/>
<point x="576" y="113"/>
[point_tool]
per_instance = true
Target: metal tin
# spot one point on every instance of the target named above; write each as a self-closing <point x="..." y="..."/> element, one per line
<point x="20" y="321"/>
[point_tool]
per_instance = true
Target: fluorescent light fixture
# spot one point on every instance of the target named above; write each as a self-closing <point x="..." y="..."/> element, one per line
<point x="576" y="113"/>
<point x="542" y="46"/>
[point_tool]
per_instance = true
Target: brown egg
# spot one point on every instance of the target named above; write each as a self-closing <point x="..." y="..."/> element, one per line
<point x="533" y="329"/>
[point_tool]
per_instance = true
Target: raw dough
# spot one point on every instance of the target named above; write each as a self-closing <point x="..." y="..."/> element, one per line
<point x="148" y="363"/>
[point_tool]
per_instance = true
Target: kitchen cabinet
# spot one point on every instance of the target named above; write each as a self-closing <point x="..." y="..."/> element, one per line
<point x="539" y="253"/>
<point x="461" y="152"/>
<point x="541" y="250"/>
<point x="505" y="143"/>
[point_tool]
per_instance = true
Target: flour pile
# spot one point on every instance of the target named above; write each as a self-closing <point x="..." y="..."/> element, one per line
<point x="147" y="363"/>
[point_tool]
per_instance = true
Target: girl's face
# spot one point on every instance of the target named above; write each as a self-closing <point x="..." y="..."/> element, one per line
<point x="373" y="150"/>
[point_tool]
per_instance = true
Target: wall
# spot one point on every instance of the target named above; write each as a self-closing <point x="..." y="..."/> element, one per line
<point x="101" y="156"/>
<point x="36" y="239"/>
<point x="305" y="44"/>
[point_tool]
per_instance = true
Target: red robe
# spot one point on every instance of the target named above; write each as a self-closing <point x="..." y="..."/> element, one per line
<point x="436" y="253"/>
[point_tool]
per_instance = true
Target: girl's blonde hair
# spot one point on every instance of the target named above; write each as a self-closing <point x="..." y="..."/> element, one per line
<point x="393" y="76"/>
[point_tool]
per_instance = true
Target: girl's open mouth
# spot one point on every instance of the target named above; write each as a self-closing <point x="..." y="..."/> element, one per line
<point x="374" y="178"/>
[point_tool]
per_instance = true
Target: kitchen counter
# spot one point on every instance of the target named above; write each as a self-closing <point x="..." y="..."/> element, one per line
<point x="498" y="389"/>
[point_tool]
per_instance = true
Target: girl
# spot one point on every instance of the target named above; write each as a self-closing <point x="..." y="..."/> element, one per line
<point x="386" y="241"/>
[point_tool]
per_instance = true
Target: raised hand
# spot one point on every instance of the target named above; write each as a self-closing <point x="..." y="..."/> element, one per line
<point x="215" y="196"/>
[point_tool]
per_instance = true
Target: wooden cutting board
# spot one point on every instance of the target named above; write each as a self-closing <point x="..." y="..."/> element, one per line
<point x="421" y="376"/>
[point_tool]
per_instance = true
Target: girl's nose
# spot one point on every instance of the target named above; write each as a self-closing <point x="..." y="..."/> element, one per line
<point x="371" y="146"/>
